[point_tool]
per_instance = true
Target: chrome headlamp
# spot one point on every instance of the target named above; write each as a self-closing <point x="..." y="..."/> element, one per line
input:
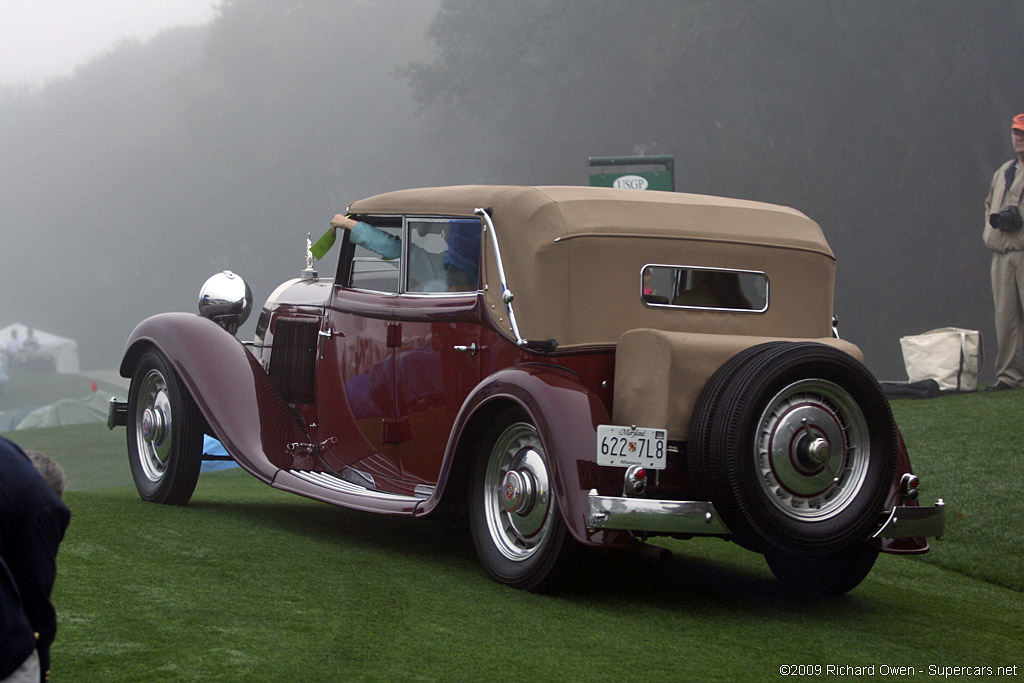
<point x="226" y="299"/>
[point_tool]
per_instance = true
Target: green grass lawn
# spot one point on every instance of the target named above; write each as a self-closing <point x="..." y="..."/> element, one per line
<point x="247" y="583"/>
<point x="969" y="451"/>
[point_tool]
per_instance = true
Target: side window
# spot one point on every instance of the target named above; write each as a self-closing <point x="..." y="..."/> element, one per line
<point x="441" y="255"/>
<point x="706" y="288"/>
<point x="444" y="254"/>
<point x="372" y="271"/>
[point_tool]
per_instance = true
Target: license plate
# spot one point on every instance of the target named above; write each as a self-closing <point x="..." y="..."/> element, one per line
<point x="620" y="446"/>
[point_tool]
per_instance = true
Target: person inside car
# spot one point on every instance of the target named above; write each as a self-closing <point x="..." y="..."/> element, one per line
<point x="453" y="270"/>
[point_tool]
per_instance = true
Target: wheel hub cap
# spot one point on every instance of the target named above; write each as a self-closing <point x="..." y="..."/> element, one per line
<point x="799" y="451"/>
<point x="519" y="505"/>
<point x="517" y="492"/>
<point x="153" y="425"/>
<point x="813" y="449"/>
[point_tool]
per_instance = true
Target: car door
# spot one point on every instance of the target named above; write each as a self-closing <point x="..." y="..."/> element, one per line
<point x="437" y="362"/>
<point x="400" y="343"/>
<point x="355" y="392"/>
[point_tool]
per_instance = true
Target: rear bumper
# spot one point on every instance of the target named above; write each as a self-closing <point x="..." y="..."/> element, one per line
<point x="657" y="516"/>
<point x="699" y="518"/>
<point x="918" y="521"/>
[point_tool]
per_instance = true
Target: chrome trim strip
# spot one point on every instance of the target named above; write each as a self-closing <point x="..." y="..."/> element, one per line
<point x="665" y="516"/>
<point x="423" y="491"/>
<point x="434" y="295"/>
<point x="738" y="271"/>
<point x="905" y="521"/>
<point x="329" y="481"/>
<point x="506" y="293"/>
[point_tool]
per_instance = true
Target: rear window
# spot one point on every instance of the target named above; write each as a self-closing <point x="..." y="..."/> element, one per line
<point x="716" y="289"/>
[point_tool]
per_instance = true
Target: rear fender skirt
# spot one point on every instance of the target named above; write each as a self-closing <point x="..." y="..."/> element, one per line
<point x="566" y="416"/>
<point x="241" y="405"/>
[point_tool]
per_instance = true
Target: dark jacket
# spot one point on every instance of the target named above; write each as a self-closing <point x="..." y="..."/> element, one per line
<point x="32" y="524"/>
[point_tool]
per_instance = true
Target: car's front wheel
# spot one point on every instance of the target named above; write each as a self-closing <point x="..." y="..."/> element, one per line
<point x="165" y="432"/>
<point x="515" y="522"/>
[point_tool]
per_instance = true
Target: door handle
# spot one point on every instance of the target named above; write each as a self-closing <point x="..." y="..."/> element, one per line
<point x="327" y="334"/>
<point x="471" y="349"/>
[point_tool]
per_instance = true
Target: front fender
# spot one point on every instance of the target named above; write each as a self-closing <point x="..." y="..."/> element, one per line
<point x="566" y="416"/>
<point x="241" y="405"/>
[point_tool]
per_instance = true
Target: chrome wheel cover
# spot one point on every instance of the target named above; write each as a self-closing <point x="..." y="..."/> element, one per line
<point x="518" y="502"/>
<point x="812" y="448"/>
<point x="153" y="425"/>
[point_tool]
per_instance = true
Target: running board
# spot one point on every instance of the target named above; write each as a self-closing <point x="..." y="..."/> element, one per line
<point x="331" y="489"/>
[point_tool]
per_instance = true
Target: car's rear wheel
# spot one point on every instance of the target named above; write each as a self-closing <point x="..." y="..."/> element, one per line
<point x="515" y="522"/>
<point x="798" y="451"/>
<point x="165" y="432"/>
<point x="832" y="574"/>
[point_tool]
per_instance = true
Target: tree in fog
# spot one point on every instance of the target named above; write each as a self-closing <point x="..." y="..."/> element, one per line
<point x="882" y="121"/>
<point x="125" y="185"/>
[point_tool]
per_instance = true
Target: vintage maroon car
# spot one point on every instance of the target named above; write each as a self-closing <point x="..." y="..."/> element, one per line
<point x="566" y="366"/>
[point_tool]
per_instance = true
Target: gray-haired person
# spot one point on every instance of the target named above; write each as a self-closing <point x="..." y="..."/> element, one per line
<point x="33" y="519"/>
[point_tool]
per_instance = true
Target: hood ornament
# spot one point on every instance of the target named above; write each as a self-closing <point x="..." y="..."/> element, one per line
<point x="309" y="273"/>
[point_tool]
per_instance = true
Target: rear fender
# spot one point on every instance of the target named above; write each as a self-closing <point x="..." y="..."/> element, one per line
<point x="566" y="416"/>
<point x="906" y="545"/>
<point x="241" y="405"/>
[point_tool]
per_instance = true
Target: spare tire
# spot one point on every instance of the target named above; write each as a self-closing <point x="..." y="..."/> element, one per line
<point x="795" y="445"/>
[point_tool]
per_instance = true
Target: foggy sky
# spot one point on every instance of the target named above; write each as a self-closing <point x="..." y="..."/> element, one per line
<point x="45" y="39"/>
<point x="220" y="146"/>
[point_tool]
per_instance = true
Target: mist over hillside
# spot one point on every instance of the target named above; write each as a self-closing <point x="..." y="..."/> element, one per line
<point x="125" y="185"/>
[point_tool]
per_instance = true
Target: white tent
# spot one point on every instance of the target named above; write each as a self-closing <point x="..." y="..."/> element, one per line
<point x="64" y="351"/>
<point x="69" y="411"/>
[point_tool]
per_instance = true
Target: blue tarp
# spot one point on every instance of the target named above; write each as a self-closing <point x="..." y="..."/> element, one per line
<point x="212" y="446"/>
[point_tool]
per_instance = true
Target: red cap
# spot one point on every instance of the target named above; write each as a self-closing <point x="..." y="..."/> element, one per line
<point x="1018" y="122"/>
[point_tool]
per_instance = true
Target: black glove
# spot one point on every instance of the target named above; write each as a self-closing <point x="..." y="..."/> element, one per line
<point x="1007" y="220"/>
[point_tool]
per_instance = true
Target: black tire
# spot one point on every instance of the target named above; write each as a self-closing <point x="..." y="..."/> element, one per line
<point x="832" y="574"/>
<point x="515" y="521"/>
<point x="795" y="446"/>
<point x="705" y="412"/>
<point x="165" y="432"/>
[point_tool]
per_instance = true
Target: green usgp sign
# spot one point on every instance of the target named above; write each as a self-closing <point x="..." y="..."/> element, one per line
<point x="639" y="180"/>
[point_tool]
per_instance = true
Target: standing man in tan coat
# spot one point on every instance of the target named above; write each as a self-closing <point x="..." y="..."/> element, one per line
<point x="1004" y="237"/>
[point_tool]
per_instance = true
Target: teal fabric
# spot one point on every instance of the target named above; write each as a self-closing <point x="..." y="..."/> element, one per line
<point x="377" y="241"/>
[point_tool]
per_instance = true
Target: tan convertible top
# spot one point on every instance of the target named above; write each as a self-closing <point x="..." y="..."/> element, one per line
<point x="573" y="257"/>
<point x="545" y="214"/>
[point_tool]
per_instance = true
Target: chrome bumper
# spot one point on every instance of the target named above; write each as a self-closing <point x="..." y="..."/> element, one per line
<point x="659" y="516"/>
<point x="117" y="414"/>
<point x="914" y="522"/>
<point x="700" y="517"/>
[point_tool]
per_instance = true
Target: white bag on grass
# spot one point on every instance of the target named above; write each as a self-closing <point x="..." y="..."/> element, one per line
<point x="949" y="355"/>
